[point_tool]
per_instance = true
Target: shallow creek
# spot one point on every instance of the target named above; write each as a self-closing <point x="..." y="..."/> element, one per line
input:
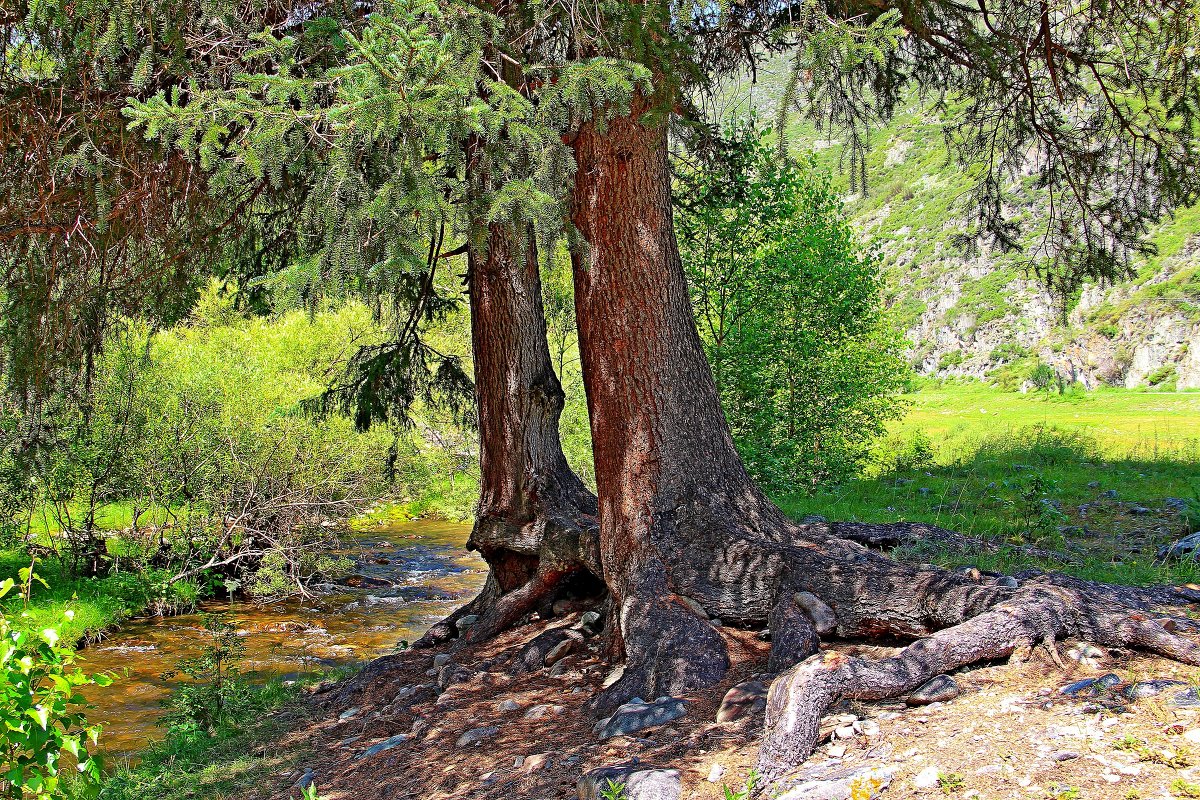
<point x="404" y="578"/>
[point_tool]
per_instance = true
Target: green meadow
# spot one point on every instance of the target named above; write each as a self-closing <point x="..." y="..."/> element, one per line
<point x="1103" y="479"/>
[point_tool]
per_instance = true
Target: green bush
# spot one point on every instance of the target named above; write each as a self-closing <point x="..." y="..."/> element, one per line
<point x="44" y="730"/>
<point x="789" y="306"/>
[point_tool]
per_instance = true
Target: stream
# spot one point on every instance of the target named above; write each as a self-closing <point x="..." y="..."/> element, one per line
<point x="404" y="578"/>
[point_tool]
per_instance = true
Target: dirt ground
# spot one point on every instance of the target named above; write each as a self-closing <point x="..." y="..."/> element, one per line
<point x="1010" y="733"/>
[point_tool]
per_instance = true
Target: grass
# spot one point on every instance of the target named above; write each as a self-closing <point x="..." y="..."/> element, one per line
<point x="232" y="762"/>
<point x="99" y="604"/>
<point x="1011" y="470"/>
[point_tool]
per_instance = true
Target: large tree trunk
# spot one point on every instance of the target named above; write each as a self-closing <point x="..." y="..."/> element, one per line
<point x="685" y="536"/>
<point x="536" y="522"/>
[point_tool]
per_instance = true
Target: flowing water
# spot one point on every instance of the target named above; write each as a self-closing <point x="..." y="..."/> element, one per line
<point x="405" y="577"/>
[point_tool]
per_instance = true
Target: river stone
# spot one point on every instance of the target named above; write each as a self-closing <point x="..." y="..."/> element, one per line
<point x="475" y="736"/>
<point x="941" y="689"/>
<point x="1008" y="582"/>
<point x="348" y="713"/>
<point x="386" y="744"/>
<point x="508" y="705"/>
<point x="858" y="783"/>
<point x="441" y="660"/>
<point x="637" y="716"/>
<point x="639" y="783"/>
<point x="823" y="618"/>
<point x="745" y="699"/>
<point x="1152" y="688"/>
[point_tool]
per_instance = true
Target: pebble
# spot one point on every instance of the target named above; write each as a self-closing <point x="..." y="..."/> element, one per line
<point x="742" y="700"/>
<point x="927" y="778"/>
<point x="559" y="652"/>
<point x="1188" y="698"/>
<point x="837" y="750"/>
<point x="306" y="779"/>
<point x="475" y="736"/>
<point x="1079" y="688"/>
<point x="441" y="660"/>
<point x="636" y="716"/>
<point x="508" y="705"/>
<point x="544" y="710"/>
<point x="536" y="762"/>
<point x="1151" y="688"/>
<point x="348" y="713"/>
<point x="1008" y="582"/>
<point x="386" y="744"/>
<point x="715" y="772"/>
<point x="940" y="689"/>
<point x="466" y="622"/>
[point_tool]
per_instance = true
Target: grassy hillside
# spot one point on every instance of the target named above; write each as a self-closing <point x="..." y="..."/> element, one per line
<point x="981" y="315"/>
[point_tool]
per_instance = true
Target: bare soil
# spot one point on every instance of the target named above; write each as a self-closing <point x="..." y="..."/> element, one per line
<point x="1010" y="734"/>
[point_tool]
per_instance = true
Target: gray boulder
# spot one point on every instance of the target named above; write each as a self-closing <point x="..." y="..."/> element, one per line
<point x="639" y="715"/>
<point x="640" y="783"/>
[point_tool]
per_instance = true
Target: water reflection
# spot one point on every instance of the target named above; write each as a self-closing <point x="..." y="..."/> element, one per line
<point x="404" y="578"/>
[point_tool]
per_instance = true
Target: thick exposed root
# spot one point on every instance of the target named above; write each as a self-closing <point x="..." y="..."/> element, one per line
<point x="672" y="650"/>
<point x="1032" y="615"/>
<point x="530" y="566"/>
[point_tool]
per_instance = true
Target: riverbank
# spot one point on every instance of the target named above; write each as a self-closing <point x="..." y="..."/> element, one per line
<point x="504" y="720"/>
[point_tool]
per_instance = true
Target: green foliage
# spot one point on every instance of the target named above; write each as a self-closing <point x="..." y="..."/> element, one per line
<point x="45" y="728"/>
<point x="613" y="790"/>
<point x="216" y="695"/>
<point x="789" y="309"/>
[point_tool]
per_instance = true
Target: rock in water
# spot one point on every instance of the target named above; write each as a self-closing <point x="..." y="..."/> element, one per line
<point x="941" y="689"/>
<point x="638" y="716"/>
<point x="749" y="697"/>
<point x="640" y="784"/>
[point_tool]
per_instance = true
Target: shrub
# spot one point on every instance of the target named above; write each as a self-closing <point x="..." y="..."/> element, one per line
<point x="789" y="306"/>
<point x="45" y="727"/>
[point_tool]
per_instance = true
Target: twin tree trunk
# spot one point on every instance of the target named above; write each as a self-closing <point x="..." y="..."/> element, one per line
<point x="684" y="536"/>
<point x="535" y="524"/>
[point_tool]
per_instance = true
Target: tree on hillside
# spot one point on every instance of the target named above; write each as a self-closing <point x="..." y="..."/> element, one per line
<point x="1099" y="96"/>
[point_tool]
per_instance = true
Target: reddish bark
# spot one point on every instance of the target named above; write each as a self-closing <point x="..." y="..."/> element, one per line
<point x="685" y="536"/>
<point x="536" y="521"/>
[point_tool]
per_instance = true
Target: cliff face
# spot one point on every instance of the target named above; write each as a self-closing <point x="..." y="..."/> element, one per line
<point x="982" y="315"/>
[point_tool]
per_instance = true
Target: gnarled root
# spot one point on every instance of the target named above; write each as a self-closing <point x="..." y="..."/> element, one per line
<point x="1034" y="614"/>
<point x="530" y="566"/>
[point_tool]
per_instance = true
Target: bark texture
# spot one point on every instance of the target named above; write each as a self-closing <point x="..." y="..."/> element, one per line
<point x="686" y="537"/>
<point x="535" y="524"/>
